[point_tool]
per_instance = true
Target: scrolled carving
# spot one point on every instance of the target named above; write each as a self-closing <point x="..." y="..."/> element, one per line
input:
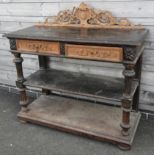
<point x="12" y="44"/>
<point x="64" y="16"/>
<point x="84" y="16"/>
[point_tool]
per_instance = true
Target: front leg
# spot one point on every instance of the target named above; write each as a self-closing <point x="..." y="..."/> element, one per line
<point x="129" y="73"/>
<point x="19" y="83"/>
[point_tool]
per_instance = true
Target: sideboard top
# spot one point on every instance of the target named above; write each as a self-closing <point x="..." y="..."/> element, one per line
<point x="82" y="35"/>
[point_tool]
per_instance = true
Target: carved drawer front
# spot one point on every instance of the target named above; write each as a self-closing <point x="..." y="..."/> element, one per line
<point x="94" y="52"/>
<point x="38" y="46"/>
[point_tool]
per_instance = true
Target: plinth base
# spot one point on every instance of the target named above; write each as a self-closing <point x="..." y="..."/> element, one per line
<point x="97" y="121"/>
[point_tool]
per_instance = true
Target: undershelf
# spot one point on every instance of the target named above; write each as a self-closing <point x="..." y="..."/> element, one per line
<point x="78" y="85"/>
<point x="80" y="117"/>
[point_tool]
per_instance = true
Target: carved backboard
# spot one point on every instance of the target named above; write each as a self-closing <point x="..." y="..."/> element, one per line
<point x="84" y="16"/>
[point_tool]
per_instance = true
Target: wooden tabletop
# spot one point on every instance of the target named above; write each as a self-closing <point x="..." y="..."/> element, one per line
<point x="82" y="35"/>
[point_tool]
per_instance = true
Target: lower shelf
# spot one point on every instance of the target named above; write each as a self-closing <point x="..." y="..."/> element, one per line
<point x="80" y="117"/>
<point x="78" y="85"/>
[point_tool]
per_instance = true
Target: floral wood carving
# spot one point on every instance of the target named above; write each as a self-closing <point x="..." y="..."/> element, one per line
<point x="84" y="16"/>
<point x="129" y="53"/>
<point x="12" y="44"/>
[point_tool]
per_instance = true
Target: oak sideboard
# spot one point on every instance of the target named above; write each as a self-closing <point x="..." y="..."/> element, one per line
<point x="80" y="34"/>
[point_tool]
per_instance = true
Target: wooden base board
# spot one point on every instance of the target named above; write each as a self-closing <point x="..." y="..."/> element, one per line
<point x="97" y="121"/>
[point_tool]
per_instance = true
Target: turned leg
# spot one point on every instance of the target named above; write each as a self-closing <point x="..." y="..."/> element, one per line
<point x="128" y="73"/>
<point x="19" y="83"/>
<point x="43" y="64"/>
<point x="138" y="68"/>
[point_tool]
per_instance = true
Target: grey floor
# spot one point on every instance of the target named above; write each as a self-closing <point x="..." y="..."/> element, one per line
<point x="29" y="139"/>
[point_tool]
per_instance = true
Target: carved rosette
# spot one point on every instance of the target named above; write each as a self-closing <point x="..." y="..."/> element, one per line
<point x="129" y="53"/>
<point x="84" y="16"/>
<point x="12" y="44"/>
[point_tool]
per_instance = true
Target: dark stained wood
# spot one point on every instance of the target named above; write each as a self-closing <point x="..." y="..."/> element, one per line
<point x="106" y="88"/>
<point x="43" y="64"/>
<point x="80" y="117"/>
<point x="78" y="35"/>
<point x="110" y="53"/>
<point x="139" y="52"/>
<point x="129" y="74"/>
<point x="138" y="69"/>
<point x="116" y="125"/>
<point x="23" y="101"/>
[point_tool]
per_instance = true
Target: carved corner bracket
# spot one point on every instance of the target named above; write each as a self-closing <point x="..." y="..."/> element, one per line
<point x="84" y="16"/>
<point x="129" y="53"/>
<point x="12" y="44"/>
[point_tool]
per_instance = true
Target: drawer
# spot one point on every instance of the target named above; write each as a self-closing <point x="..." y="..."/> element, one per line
<point x="38" y="46"/>
<point x="114" y="54"/>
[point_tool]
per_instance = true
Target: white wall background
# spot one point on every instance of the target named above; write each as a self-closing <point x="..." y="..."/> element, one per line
<point x="17" y="14"/>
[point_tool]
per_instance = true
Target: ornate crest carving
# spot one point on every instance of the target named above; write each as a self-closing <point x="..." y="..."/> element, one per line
<point x="84" y="16"/>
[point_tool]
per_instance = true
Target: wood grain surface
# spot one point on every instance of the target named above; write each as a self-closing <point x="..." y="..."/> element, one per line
<point x="114" y="54"/>
<point x="13" y="17"/>
<point x="80" y="117"/>
<point x="38" y="46"/>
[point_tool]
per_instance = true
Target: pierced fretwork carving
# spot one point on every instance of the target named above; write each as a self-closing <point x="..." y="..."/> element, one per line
<point x="84" y="16"/>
